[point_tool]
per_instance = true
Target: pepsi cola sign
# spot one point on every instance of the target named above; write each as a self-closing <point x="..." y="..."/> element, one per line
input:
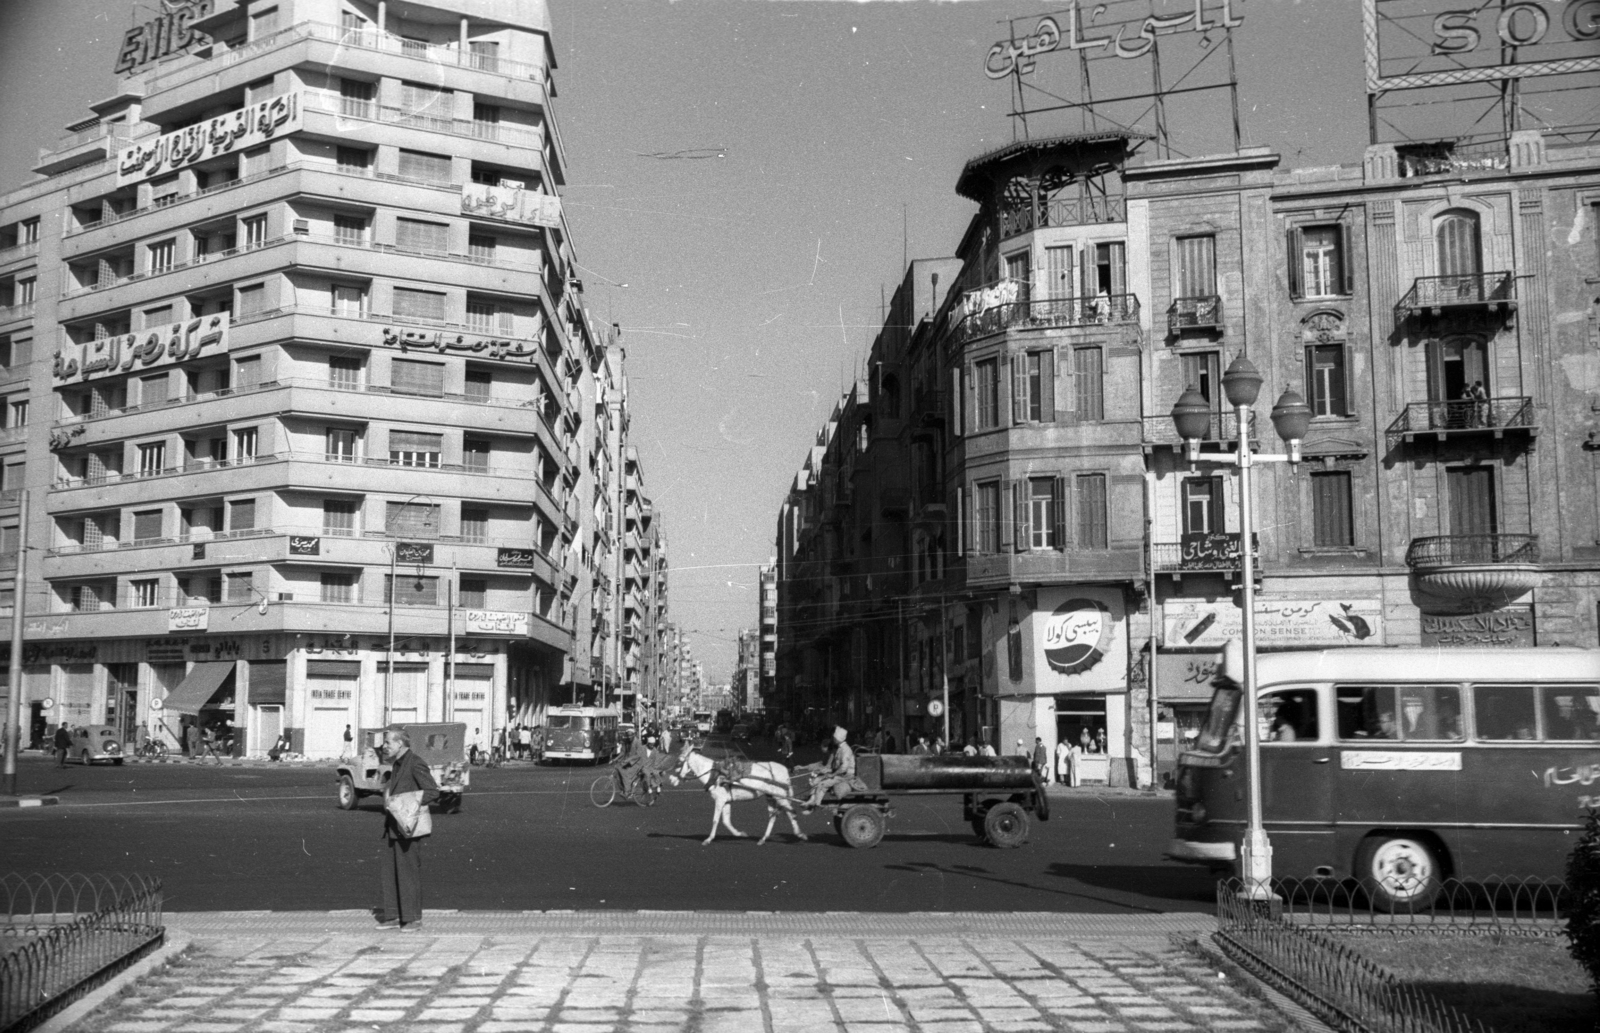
<point x="1077" y="635"/>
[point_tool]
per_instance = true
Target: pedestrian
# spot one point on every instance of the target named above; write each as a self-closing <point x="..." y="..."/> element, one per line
<point x="921" y="748"/>
<point x="524" y="742"/>
<point x="1063" y="762"/>
<point x="406" y="823"/>
<point x="63" y="744"/>
<point x="1076" y="767"/>
<point x="191" y="741"/>
<point x="1022" y="749"/>
<point x="349" y="747"/>
<point x="1041" y="759"/>
<point x="969" y="750"/>
<point x="888" y="741"/>
<point x="986" y="750"/>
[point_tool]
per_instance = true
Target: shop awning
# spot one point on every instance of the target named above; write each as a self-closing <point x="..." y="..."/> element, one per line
<point x="268" y="682"/>
<point x="202" y="682"/>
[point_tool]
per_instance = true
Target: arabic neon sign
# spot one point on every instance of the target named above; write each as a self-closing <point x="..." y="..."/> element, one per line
<point x="1017" y="56"/>
<point x="236" y="131"/>
<point x="125" y="352"/>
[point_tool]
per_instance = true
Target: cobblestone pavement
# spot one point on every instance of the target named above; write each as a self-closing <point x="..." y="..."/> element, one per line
<point x="846" y="976"/>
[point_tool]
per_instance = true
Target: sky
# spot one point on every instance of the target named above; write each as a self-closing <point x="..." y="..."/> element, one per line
<point x="745" y="179"/>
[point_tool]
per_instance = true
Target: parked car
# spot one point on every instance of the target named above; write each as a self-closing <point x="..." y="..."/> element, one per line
<point x="94" y="743"/>
<point x="443" y="747"/>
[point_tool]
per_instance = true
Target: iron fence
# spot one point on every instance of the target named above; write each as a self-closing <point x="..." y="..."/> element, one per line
<point x="1283" y="938"/>
<point x="61" y="935"/>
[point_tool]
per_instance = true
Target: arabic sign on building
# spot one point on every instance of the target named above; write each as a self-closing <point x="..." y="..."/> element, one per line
<point x="1133" y="38"/>
<point x="304" y="545"/>
<point x="494" y="622"/>
<point x="1080" y="641"/>
<point x="443" y="341"/>
<point x="1413" y="44"/>
<point x="1214" y="550"/>
<point x="169" y="34"/>
<point x="1280" y="623"/>
<point x="226" y="134"/>
<point x="513" y="204"/>
<point x="414" y="552"/>
<point x="188" y="618"/>
<point x="514" y="559"/>
<point x="1512" y="626"/>
<point x="127" y="352"/>
<point x="1185" y="676"/>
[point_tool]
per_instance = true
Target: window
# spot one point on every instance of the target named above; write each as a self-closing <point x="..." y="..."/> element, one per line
<point x="474" y="594"/>
<point x="987" y="387"/>
<point x="410" y="377"/>
<point x="253" y="231"/>
<point x="244" y="445"/>
<point x="415" y="304"/>
<point x="152" y="458"/>
<point x="18" y="414"/>
<point x="356" y="160"/>
<point x="349" y="301"/>
<point x="1459" y="242"/>
<point x="1090" y="489"/>
<point x="351" y="23"/>
<point x="1202" y="506"/>
<point x="413" y="47"/>
<point x="144" y="592"/>
<point x="338" y="588"/>
<point x="341" y="445"/>
<point x="203" y="588"/>
<point x="479" y="385"/>
<point x="263" y="23"/>
<point x="475" y="455"/>
<point x="1405" y="713"/>
<point x="159" y="316"/>
<point x="85" y="598"/>
<point x="481" y="247"/>
<point x="1034" y="387"/>
<point x="986" y="515"/>
<point x="486" y="121"/>
<point x="1196" y="267"/>
<point x="146" y="525"/>
<point x="1332" y="523"/>
<point x="410" y="448"/>
<point x="344" y="373"/>
<point x="357" y="99"/>
<point x="416" y="235"/>
<point x="1570" y="712"/>
<point x="252" y="300"/>
<point x="1088" y="383"/>
<point x="163" y="255"/>
<point x="429" y="168"/>
<point x="241" y="514"/>
<point x="241" y="586"/>
<point x="247" y="373"/>
<point x="1044" y="497"/>
<point x="1317" y="262"/>
<point x="485" y="55"/>
<point x="1019" y="271"/>
<point x="28" y="231"/>
<point x="1325" y="383"/>
<point x="1289" y="715"/>
<point x="350" y="229"/>
<point x="338" y="518"/>
<point x="1110" y="269"/>
<point x="165" y="191"/>
<point x="408" y="590"/>
<point x="474" y="524"/>
<point x="25" y="290"/>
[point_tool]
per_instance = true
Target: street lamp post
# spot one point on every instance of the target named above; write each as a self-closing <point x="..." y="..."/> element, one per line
<point x="1241" y="383"/>
<point x="394" y="562"/>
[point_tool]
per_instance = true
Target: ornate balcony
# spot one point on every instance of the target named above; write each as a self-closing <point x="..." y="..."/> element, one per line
<point x="1493" y="416"/>
<point x="1432" y="295"/>
<point x="1202" y="312"/>
<point x="1485" y="570"/>
<point x="991" y="312"/>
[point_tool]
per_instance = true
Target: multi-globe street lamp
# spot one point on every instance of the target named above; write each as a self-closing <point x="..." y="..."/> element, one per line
<point x="1291" y="416"/>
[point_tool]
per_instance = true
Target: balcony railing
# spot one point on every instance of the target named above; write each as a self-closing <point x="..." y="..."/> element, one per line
<point x="1044" y="313"/>
<point x="1064" y="211"/>
<point x="1464" y="416"/>
<point x="1201" y="312"/>
<point x="1470" y="550"/>
<point x="1433" y="294"/>
<point x="10" y="312"/>
<point x="1224" y="429"/>
<point x="16" y="251"/>
<point x="335" y="104"/>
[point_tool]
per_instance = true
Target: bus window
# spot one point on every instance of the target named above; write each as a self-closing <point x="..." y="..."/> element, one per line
<point x="1504" y="712"/>
<point x="568" y="721"/>
<point x="1289" y="715"/>
<point x="1410" y="713"/>
<point x="1571" y="712"/>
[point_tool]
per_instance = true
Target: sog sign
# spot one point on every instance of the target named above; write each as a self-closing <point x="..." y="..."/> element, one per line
<point x="172" y="33"/>
<point x="1416" y="44"/>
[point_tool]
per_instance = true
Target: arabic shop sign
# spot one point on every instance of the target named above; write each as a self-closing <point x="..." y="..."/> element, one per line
<point x="1280" y="623"/>
<point x="236" y="131"/>
<point x="442" y="342"/>
<point x="495" y="622"/>
<point x="414" y="552"/>
<point x="513" y="204"/>
<point x="1476" y="43"/>
<point x="514" y="559"/>
<point x="304" y="545"/>
<point x="142" y="350"/>
<point x="1214" y="550"/>
<point x="161" y="37"/>
<point x="1509" y="627"/>
<point x="188" y="618"/>
<point x="1017" y="55"/>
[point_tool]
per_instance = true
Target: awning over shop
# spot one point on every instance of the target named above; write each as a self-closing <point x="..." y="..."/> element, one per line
<point x="268" y="682"/>
<point x="196" y="690"/>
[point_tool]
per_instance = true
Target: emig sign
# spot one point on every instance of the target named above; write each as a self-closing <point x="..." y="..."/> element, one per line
<point x="161" y="37"/>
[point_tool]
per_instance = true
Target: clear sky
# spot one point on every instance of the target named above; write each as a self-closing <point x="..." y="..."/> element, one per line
<point x="835" y="131"/>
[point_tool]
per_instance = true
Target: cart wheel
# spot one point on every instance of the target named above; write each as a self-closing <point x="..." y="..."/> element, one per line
<point x="1006" y="825"/>
<point x="603" y="791"/>
<point x="347" y="794"/>
<point x="862" y="826"/>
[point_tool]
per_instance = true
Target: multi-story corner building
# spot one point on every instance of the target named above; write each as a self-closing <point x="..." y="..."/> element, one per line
<point x="768" y="651"/>
<point x="746" y="683"/>
<point x="1433" y="306"/>
<point x="295" y="376"/>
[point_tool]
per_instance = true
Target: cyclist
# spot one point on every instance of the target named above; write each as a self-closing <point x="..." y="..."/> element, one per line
<point x="630" y="765"/>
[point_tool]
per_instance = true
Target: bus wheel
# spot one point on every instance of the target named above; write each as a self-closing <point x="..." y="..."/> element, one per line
<point x="1400" y="873"/>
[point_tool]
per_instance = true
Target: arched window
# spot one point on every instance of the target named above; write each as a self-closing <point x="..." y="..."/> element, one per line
<point x="1459" y="241"/>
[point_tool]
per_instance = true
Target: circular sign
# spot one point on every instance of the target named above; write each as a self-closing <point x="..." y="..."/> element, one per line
<point x="935" y="708"/>
<point x="156" y="704"/>
<point x="1077" y="635"/>
<point x="47" y="703"/>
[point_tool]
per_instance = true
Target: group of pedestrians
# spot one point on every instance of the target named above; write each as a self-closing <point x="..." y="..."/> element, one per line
<point x="1067" y="768"/>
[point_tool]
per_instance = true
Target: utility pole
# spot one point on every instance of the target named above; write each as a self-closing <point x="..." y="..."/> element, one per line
<point x="13" y="729"/>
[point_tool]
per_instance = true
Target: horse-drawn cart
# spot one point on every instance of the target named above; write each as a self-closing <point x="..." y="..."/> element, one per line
<point x="997" y="793"/>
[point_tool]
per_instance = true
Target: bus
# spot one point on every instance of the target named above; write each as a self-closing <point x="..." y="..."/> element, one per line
<point x="1401" y="767"/>
<point x="580" y="733"/>
<point x="702" y="721"/>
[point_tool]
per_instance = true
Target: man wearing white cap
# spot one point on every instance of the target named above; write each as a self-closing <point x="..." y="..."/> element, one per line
<point x="840" y="770"/>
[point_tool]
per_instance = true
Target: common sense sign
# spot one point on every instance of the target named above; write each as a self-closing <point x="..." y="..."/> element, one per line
<point x="161" y="37"/>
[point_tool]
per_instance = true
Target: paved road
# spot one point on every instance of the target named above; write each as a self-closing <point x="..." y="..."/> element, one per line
<point x="270" y="838"/>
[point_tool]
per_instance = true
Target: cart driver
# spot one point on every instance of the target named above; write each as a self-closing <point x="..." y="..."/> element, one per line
<point x="839" y="770"/>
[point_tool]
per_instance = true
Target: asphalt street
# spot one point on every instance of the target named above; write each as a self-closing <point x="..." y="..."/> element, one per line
<point x="271" y="838"/>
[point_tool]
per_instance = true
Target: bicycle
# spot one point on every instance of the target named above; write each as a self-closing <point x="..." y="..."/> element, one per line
<point x="604" y="791"/>
<point x="152" y="748"/>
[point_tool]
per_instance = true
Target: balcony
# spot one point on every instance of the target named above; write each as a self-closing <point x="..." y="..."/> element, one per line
<point x="1483" y="570"/>
<point x="1432" y="295"/>
<point x="988" y="312"/>
<point x="1215" y="552"/>
<point x="1201" y="312"/>
<point x="1439" y="420"/>
<point x="1222" y="432"/>
<point x="1078" y="210"/>
<point x="85" y="147"/>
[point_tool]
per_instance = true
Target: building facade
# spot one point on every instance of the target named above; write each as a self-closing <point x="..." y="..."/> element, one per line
<point x="315" y="428"/>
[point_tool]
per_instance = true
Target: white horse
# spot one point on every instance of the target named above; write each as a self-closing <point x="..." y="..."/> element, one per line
<point x="766" y="781"/>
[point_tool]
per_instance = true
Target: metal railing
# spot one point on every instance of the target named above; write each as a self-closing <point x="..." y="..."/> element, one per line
<point x="328" y="102"/>
<point x="63" y="935"/>
<point x="1453" y="550"/>
<point x="1044" y="313"/>
<point x="1200" y="312"/>
<point x="1465" y="414"/>
<point x="1531" y="907"/>
<point x="1064" y="211"/>
<point x="1429" y="292"/>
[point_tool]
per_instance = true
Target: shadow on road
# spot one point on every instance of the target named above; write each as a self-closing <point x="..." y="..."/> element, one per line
<point x="977" y="874"/>
<point x="1163" y="882"/>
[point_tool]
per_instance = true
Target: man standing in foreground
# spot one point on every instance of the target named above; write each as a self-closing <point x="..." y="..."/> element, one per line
<point x="62" y="743"/>
<point x="400" y="872"/>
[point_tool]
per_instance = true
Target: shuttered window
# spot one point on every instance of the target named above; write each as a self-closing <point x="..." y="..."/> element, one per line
<point x="418" y="98"/>
<point x="414" y="304"/>
<point x="252" y="300"/>
<point x="412" y="591"/>
<point x="1088" y="383"/>
<point x="475" y="455"/>
<point x="474" y="593"/>
<point x="242" y="514"/>
<point x="1043" y="492"/>
<point x="338" y="518"/>
<point x="987" y="517"/>
<point x="988" y="391"/>
<point x="474" y="524"/>
<point x="416" y="235"/>
<point x="430" y="168"/>
<point x="1090" y="490"/>
<point x="1325" y="382"/>
<point x="409" y="448"/>
<point x="147" y="524"/>
<point x="409" y="377"/>
<point x="1458" y="239"/>
<point x="1331" y="517"/>
<point x="409" y="519"/>
<point x="1197" y="267"/>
